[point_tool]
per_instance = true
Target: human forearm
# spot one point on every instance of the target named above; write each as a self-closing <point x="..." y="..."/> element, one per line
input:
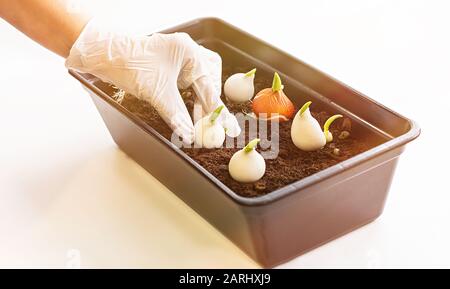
<point x="48" y="22"/>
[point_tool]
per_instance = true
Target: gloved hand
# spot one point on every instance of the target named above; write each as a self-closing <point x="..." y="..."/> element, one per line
<point x="153" y="68"/>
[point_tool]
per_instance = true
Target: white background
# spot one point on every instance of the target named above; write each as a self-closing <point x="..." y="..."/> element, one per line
<point x="70" y="197"/>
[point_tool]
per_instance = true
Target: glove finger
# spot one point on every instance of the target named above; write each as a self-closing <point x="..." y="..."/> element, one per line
<point x="198" y="111"/>
<point x="201" y="68"/>
<point x="207" y="78"/>
<point x="208" y="90"/>
<point x="173" y="111"/>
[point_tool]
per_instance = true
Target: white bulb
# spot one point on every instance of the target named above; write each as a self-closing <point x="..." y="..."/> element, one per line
<point x="209" y="134"/>
<point x="239" y="87"/>
<point x="306" y="132"/>
<point x="247" y="167"/>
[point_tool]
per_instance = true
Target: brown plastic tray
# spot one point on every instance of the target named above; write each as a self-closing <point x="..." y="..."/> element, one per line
<point x="297" y="218"/>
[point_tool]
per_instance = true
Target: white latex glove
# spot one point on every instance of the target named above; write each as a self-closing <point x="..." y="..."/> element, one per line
<point x="153" y="68"/>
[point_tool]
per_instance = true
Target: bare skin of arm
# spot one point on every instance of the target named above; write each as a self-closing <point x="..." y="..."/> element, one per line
<point x="48" y="22"/>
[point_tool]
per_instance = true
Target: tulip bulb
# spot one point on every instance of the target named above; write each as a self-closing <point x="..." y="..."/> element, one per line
<point x="208" y="132"/>
<point x="273" y="102"/>
<point x="247" y="165"/>
<point x="306" y="132"/>
<point x="239" y="87"/>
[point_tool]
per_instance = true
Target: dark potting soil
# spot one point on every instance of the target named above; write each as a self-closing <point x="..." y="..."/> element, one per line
<point x="291" y="164"/>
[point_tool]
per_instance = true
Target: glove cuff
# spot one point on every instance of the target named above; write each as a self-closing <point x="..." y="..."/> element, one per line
<point x="89" y="53"/>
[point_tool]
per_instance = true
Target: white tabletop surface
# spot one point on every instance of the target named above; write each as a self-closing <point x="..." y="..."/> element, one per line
<point x="69" y="197"/>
